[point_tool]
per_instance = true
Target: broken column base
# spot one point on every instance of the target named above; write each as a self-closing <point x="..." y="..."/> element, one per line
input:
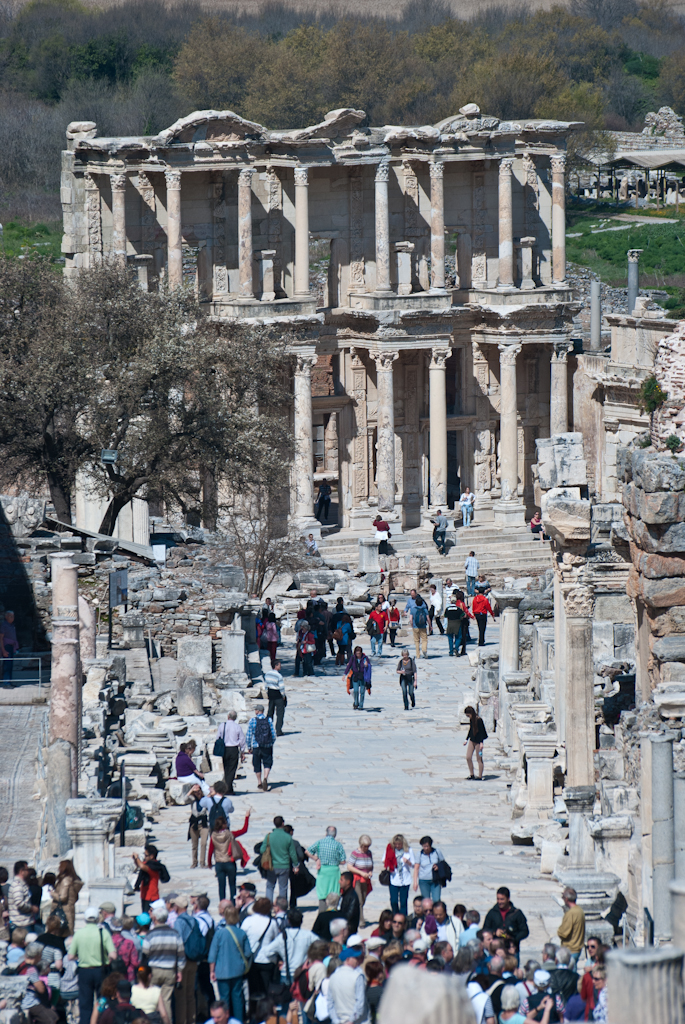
<point x="596" y="891"/>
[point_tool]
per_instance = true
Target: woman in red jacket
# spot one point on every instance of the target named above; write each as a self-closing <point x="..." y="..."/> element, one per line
<point x="480" y="607"/>
<point x="376" y="627"/>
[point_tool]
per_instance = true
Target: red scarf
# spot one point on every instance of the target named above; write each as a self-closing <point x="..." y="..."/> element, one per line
<point x="390" y="858"/>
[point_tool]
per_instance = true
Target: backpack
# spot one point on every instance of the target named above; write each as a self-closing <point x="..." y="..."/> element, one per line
<point x="194" y="943"/>
<point x="262" y="733"/>
<point x="208" y="940"/>
<point x="215" y="811"/>
<point x="421" y="617"/>
<point x="125" y="1014"/>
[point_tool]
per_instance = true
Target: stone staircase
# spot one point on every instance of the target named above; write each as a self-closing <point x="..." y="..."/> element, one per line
<point x="504" y="552"/>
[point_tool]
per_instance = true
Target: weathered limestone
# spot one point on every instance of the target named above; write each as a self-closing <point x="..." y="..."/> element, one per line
<point x="506" y="227"/>
<point x="189" y="696"/>
<point x="386" y="430"/>
<point x="265" y="257"/>
<point x="65" y="686"/>
<point x="303" y="465"/>
<point x="86" y="629"/>
<point x="368" y="555"/>
<point x="645" y="984"/>
<point x="174" y="229"/>
<point x="195" y="655"/>
<point x="558" y="163"/>
<point x="580" y="701"/>
<point x="438" y="427"/>
<point x="246" y="286"/>
<point x="658" y="845"/>
<point x="527" y="251"/>
<point x="633" y="277"/>
<point x="558" y="392"/>
<point x="382" y="230"/>
<point x="133" y="624"/>
<point x="233" y="649"/>
<point x="677" y="890"/>
<point x="437" y="227"/>
<point x="508" y="602"/>
<point x="509" y="510"/>
<point x="301" y="233"/>
<point x="595" y="316"/>
<point x="539" y="746"/>
<point x="118" y="183"/>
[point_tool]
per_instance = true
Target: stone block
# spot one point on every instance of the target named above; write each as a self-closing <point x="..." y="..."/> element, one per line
<point x="672" y="672"/>
<point x="610" y="763"/>
<point x="368" y="555"/>
<point x="312" y="579"/>
<point x="231" y="576"/>
<point x="613" y="608"/>
<point x="176" y="792"/>
<point x="602" y="640"/>
<point x="189" y="696"/>
<point x="565" y="517"/>
<point x="663" y="593"/>
<point x="657" y="540"/>
<point x="165" y="673"/>
<point x="550" y="853"/>
<point x="656" y="567"/>
<point x="654" y="472"/>
<point x="624" y="639"/>
<point x="670" y="648"/>
<point x="660" y="506"/>
<point x="195" y="655"/>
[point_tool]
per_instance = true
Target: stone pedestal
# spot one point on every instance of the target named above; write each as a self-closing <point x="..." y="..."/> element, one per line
<point x="579" y="695"/>
<point x="301" y="233"/>
<point x="382" y="230"/>
<point x="509" y="511"/>
<point x="90" y="824"/>
<point x="558" y="162"/>
<point x="142" y="766"/>
<point x="174" y="235"/>
<point x="233" y="647"/>
<point x="189" y="696"/>
<point x="516" y="687"/>
<point x="506" y="230"/>
<point x="656" y="812"/>
<point x="108" y="890"/>
<point x="386" y="429"/>
<point x="368" y="555"/>
<point x="266" y="257"/>
<point x="143" y="265"/>
<point x="539" y="748"/>
<point x="527" y="248"/>
<point x="404" y="251"/>
<point x="133" y="624"/>
<point x="246" y="287"/>
<point x="195" y="655"/>
<point x="596" y="889"/>
<point x="437" y="227"/>
<point x="645" y="985"/>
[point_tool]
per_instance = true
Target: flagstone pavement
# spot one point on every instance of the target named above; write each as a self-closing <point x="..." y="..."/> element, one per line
<point x="381" y="771"/>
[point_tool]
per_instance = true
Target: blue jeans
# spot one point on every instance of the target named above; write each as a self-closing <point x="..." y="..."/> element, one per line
<point x="231" y="991"/>
<point x="429" y="889"/>
<point x="440" y="537"/>
<point x="377" y="644"/>
<point x="470" y="585"/>
<point x="7" y="665"/>
<point x="359" y="687"/>
<point x="399" y="895"/>
<point x="453" y="641"/>
<point x="226" y="870"/>
<point x="407" y="684"/>
<point x="467" y="513"/>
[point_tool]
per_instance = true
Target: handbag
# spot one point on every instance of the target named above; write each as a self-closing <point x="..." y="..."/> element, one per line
<point x="384" y="877"/>
<point x="247" y="964"/>
<point x="266" y="863"/>
<point x="219" y="747"/>
<point x="337" y="635"/>
<point x="58" y="912"/>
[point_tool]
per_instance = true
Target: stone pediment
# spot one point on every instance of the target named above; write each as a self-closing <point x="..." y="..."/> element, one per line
<point x="335" y="124"/>
<point x="211" y="125"/>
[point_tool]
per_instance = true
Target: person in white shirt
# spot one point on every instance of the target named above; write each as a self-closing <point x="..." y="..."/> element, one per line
<point x="311" y="546"/>
<point x="400" y="861"/>
<point x="234" y="747"/>
<point x="466" y="506"/>
<point x="346" y="996"/>
<point x="278" y="700"/>
<point x="435" y="608"/>
<point x="471" y="567"/>
<point x="292" y="945"/>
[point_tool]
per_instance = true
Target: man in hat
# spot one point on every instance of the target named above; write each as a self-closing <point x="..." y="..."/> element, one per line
<point x="245" y="897"/>
<point x="107" y="912"/>
<point x="347" y="989"/>
<point x="540" y="999"/>
<point x="87" y="947"/>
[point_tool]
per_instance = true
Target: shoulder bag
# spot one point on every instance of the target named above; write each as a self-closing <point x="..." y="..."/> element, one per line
<point x="220" y="745"/>
<point x="384" y="877"/>
<point x="247" y="963"/>
<point x="266" y="861"/>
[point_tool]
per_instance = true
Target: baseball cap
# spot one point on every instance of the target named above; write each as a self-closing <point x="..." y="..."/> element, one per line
<point x="181" y="901"/>
<point x="348" y="953"/>
<point x="354" y="940"/>
<point x="108" y="908"/>
<point x="247" y="886"/>
<point x="541" y="978"/>
<point x="169" y="897"/>
<point x="91" y="913"/>
<point x="159" y="904"/>
<point x="143" y="919"/>
<point x="421" y="946"/>
<point x="199" y="892"/>
<point x="375" y="942"/>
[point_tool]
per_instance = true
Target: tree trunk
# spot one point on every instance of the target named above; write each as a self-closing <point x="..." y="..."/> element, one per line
<point x="209" y="499"/>
<point x="60" y="499"/>
<point x="110" y="517"/>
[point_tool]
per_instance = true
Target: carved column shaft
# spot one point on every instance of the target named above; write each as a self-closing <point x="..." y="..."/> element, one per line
<point x="174" y="236"/>
<point x="580" y="692"/>
<point x="118" y="182"/>
<point x="558" y="389"/>
<point x="437" y="227"/>
<point x="301" y="232"/>
<point x="94" y="214"/>
<point x="386" y="430"/>
<point x="65" y="685"/>
<point x="245" y="286"/>
<point x="382" y="229"/>
<point x="558" y="218"/>
<point x="508" y="422"/>
<point x="438" y="427"/>
<point x="303" y="467"/>
<point x="506" y="225"/>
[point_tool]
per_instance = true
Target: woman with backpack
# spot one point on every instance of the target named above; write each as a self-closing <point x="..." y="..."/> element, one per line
<point x="358" y="675"/>
<point x="147" y="997"/>
<point x="376" y="626"/>
<point x="65" y="893"/>
<point x="346" y="631"/>
<point x="393" y="621"/>
<point x="227" y="851"/>
<point x="475" y="738"/>
<point x="468" y="614"/>
<point x="305" y="648"/>
<point x="406" y="670"/>
<point x="127" y="955"/>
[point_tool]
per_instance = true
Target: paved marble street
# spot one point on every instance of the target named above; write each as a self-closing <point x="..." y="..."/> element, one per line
<point x="385" y="770"/>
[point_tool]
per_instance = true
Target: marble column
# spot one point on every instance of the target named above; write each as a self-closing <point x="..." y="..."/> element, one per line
<point x="558" y="388"/>
<point x="658" y="836"/>
<point x="437" y="227"/>
<point x="508" y="602"/>
<point x="580" y="694"/>
<point x="527" y="248"/>
<point x="506" y="225"/>
<point x="382" y="230"/>
<point x="558" y="163"/>
<point x="246" y="288"/>
<point x="118" y="182"/>
<point x="386" y="430"/>
<point x="174" y="235"/>
<point x="303" y="465"/>
<point x="302" y="233"/>
<point x="633" y="278"/>
<point x="509" y="510"/>
<point x="645" y="985"/>
<point x="438" y="428"/>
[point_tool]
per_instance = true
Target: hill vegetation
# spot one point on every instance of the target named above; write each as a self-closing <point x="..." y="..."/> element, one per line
<point x="134" y="68"/>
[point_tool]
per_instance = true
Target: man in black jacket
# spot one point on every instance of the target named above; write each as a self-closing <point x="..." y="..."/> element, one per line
<point x="504" y="917"/>
<point x="349" y="904"/>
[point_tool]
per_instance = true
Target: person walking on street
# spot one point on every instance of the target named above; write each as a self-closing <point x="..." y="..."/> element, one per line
<point x="261" y="737"/>
<point x="454" y="615"/>
<point x="271" y="637"/>
<point x="275" y="690"/>
<point x="382" y="528"/>
<point x="466" y="505"/>
<point x="9" y="645"/>
<point x="471" y="567"/>
<point x="346" y="631"/>
<point x="164" y="952"/>
<point x="419" y="620"/>
<point x="227" y="851"/>
<point x="461" y="603"/>
<point x="21" y="910"/>
<point x="233" y="738"/>
<point x="481" y="608"/>
<point x="329" y="854"/>
<point x="393" y="621"/>
<point x="406" y="670"/>
<point x="426" y="873"/>
<point x="504" y="917"/>
<point x="399" y="861"/>
<point x="323" y="500"/>
<point x="360" y="863"/>
<point x="440" y="532"/>
<point x="376" y="626"/>
<point x="278" y="849"/>
<point x="358" y="675"/>
<point x="571" y="931"/>
<point x="92" y="946"/>
<point x="435" y="608"/>
<point x="230" y="958"/>
<point x="305" y="649"/>
<point x="475" y="738"/>
<point x="299" y="880"/>
<point x="198" y="828"/>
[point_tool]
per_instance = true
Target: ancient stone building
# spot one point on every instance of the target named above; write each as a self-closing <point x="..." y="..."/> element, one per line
<point x="442" y="349"/>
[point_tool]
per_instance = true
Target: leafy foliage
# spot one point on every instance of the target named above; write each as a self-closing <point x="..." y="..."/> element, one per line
<point x="651" y="395"/>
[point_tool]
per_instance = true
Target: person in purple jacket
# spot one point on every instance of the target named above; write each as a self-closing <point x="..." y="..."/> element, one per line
<point x="185" y="767"/>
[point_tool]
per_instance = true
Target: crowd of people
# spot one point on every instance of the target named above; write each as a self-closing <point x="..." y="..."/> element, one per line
<point x="177" y="962"/>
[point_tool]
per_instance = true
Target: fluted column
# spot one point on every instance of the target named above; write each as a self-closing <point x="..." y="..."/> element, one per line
<point x="118" y="182"/>
<point x="303" y="465"/>
<point x="65" y="682"/>
<point x="506" y="225"/>
<point x="245" y="235"/>
<point x="558" y="388"/>
<point x="558" y="218"/>
<point x="174" y="237"/>
<point x="645" y="984"/>
<point x="386" y="430"/>
<point x="580" y="691"/>
<point x="301" y="233"/>
<point x="437" y="228"/>
<point x="382" y="229"/>
<point x="509" y="510"/>
<point x="438" y="427"/>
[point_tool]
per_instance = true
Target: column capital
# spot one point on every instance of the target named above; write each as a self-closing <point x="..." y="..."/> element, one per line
<point x="301" y="175"/>
<point x="305" y="361"/>
<point x="173" y="179"/>
<point x="558" y="162"/>
<point x="505" y="165"/>
<point x="384" y="360"/>
<point x="439" y="357"/>
<point x="634" y="255"/>
<point x="245" y="176"/>
<point x="143" y="180"/>
<point x="560" y="351"/>
<point x="508" y="353"/>
<point x="383" y="171"/>
<point x="579" y="600"/>
<point x="89" y="181"/>
<point x="118" y="182"/>
<point x="437" y="169"/>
